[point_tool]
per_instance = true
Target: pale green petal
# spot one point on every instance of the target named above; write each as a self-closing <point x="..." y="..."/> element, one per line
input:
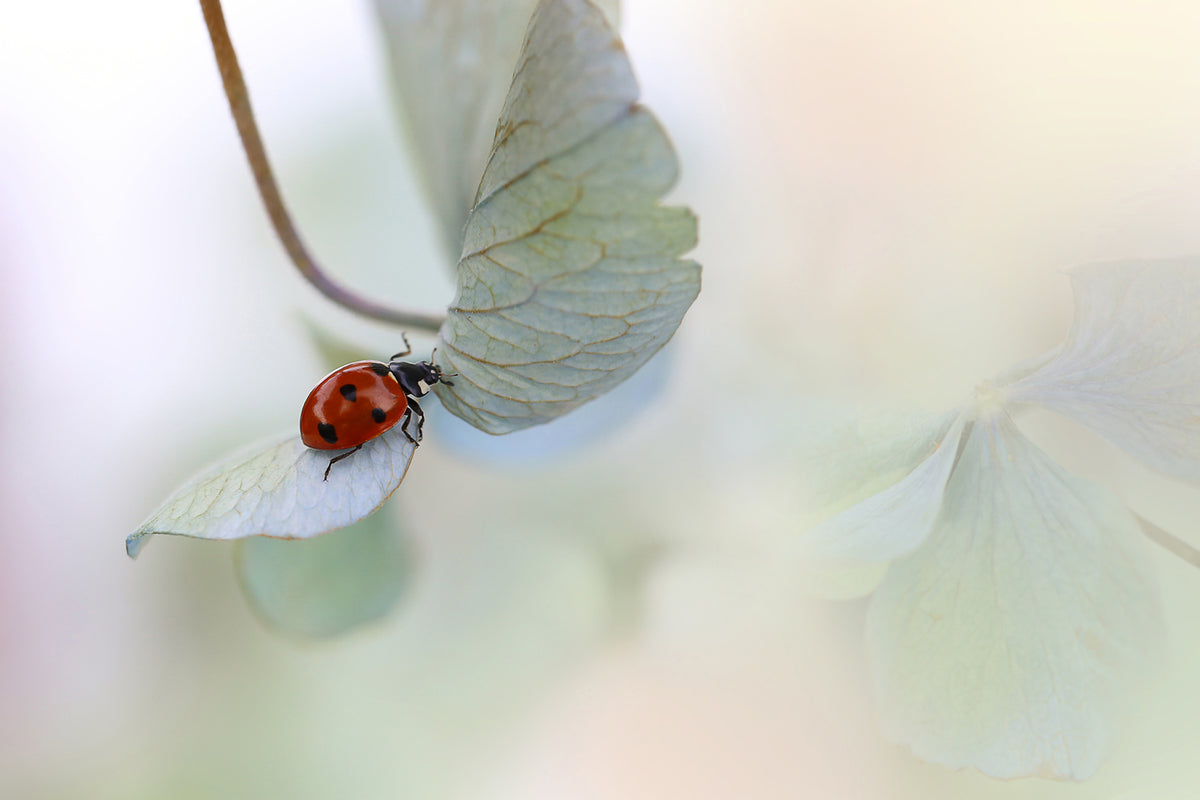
<point x="849" y="458"/>
<point x="1130" y="368"/>
<point x="895" y="521"/>
<point x="572" y="79"/>
<point x="569" y="279"/>
<point x="326" y="585"/>
<point x="276" y="489"/>
<point x="1011" y="640"/>
<point x="847" y="454"/>
<point x="451" y="65"/>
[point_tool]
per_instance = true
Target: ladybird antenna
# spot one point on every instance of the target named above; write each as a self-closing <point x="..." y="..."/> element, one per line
<point x="440" y="372"/>
<point x="433" y="363"/>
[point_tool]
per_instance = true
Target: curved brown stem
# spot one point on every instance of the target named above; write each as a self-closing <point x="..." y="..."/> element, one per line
<point x="243" y="115"/>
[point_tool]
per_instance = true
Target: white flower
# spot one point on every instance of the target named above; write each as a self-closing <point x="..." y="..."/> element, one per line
<point x="1019" y="604"/>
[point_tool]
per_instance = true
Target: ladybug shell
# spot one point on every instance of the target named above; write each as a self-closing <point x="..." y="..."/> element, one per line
<point x="352" y="405"/>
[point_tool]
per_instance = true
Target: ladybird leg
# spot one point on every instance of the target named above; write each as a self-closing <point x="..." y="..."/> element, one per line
<point x="404" y="427"/>
<point x="336" y="459"/>
<point x="413" y="405"/>
<point x="408" y="417"/>
<point x="407" y="348"/>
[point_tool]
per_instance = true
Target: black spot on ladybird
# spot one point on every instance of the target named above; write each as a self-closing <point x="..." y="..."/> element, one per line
<point x="380" y="369"/>
<point x="350" y="392"/>
<point x="378" y="414"/>
<point x="327" y="431"/>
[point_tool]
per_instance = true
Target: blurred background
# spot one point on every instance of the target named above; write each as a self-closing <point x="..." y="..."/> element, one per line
<point x="887" y="194"/>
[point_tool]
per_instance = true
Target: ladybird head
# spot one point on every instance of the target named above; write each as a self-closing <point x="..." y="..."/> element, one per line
<point x="417" y="379"/>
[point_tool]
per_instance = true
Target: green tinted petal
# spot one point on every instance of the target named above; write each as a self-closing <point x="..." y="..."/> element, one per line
<point x="329" y="584"/>
<point x="570" y="278"/>
<point x="451" y="65"/>
<point x="1012" y="640"/>
<point x="277" y="489"/>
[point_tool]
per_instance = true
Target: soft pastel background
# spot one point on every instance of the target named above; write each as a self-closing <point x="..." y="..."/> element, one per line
<point x="887" y="191"/>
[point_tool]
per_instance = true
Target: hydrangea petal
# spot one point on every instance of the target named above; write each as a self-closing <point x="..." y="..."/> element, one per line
<point x="1130" y="367"/>
<point x="277" y="489"/>
<point x="895" y="521"/>
<point x="1009" y="640"/>
<point x="570" y="278"/>
<point x="451" y="64"/>
<point x="327" y="585"/>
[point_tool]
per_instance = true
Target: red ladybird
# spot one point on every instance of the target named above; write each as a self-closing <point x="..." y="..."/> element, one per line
<point x="358" y="402"/>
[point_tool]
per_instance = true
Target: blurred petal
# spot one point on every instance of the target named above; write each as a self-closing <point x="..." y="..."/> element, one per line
<point x="327" y="585"/>
<point x="277" y="490"/>
<point x="848" y="454"/>
<point x="569" y="279"/>
<point x="1009" y="641"/>
<point x="451" y="63"/>
<point x="1130" y="368"/>
<point x="895" y="521"/>
<point x="849" y="457"/>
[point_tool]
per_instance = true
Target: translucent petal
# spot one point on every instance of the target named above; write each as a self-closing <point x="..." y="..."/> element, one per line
<point x="326" y="585"/>
<point x="451" y="64"/>
<point x="849" y="457"/>
<point x="1010" y="640"/>
<point x="847" y="454"/>
<point x="276" y="489"/>
<point x="1130" y="367"/>
<point x="569" y="279"/>
<point x="895" y="521"/>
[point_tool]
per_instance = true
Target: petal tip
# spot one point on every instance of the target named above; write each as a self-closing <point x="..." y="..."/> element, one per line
<point x="134" y="543"/>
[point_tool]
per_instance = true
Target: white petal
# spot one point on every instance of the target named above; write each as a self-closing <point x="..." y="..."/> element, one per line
<point x="1009" y="641"/>
<point x="569" y="279"/>
<point x="895" y="521"/>
<point x="277" y="490"/>
<point x="1130" y="368"/>
<point x="326" y="585"/>
<point x="451" y="63"/>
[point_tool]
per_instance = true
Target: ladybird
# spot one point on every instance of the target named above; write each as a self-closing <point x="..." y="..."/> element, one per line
<point x="358" y="402"/>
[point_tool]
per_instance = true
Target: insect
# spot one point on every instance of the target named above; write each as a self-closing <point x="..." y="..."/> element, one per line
<point x="358" y="402"/>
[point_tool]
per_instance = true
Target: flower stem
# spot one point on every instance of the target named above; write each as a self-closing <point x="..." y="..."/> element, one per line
<point x="243" y="115"/>
<point x="1169" y="541"/>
